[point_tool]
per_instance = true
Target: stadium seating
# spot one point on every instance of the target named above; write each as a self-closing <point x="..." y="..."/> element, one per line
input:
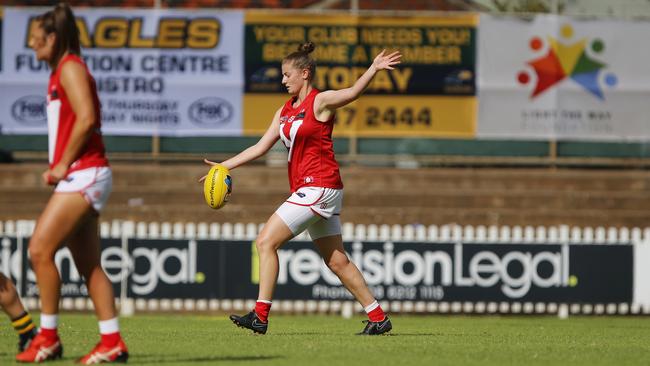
<point x="466" y="196"/>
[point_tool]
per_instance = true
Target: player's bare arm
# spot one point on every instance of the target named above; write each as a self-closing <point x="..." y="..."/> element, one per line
<point x="328" y="101"/>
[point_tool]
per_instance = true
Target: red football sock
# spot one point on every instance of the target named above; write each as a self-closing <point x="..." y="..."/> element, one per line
<point x="262" y="309"/>
<point x="111" y="339"/>
<point x="375" y="312"/>
<point x="49" y="333"/>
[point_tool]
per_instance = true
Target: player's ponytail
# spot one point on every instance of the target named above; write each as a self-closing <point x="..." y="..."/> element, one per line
<point x="61" y="22"/>
<point x="301" y="58"/>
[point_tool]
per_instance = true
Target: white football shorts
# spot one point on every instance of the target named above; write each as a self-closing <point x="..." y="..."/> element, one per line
<point x="315" y="209"/>
<point x="94" y="184"/>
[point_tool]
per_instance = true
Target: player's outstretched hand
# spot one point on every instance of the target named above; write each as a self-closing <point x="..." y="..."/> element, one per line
<point x="386" y="62"/>
<point x="210" y="163"/>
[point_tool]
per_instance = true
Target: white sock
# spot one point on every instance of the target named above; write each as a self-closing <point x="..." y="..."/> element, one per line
<point x="371" y="307"/>
<point x="265" y="301"/>
<point x="109" y="326"/>
<point x="49" y="321"/>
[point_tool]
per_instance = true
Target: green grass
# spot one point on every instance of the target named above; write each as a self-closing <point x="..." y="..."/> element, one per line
<point x="330" y="340"/>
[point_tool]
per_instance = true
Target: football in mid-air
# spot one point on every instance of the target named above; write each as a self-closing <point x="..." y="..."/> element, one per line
<point x="217" y="186"/>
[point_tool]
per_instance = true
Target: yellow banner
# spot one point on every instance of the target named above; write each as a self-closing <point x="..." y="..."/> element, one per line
<point x="430" y="94"/>
<point x="266" y="17"/>
<point x="380" y="116"/>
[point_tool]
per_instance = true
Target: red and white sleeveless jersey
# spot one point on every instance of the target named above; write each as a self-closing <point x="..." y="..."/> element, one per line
<point x="309" y="142"/>
<point x="61" y="119"/>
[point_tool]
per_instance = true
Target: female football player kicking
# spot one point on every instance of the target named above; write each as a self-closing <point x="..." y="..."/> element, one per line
<point x="304" y="124"/>
<point x="82" y="178"/>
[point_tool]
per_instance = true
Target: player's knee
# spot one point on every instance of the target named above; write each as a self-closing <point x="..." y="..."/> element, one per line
<point x="8" y="294"/>
<point x="337" y="265"/>
<point x="265" y="244"/>
<point x="39" y="255"/>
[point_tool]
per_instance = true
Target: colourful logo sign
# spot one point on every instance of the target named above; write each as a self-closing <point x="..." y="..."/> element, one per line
<point x="568" y="60"/>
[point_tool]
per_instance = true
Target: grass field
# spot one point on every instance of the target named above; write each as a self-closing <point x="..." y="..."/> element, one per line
<point x="330" y="340"/>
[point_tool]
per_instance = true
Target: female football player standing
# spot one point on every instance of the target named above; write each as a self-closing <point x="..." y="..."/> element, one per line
<point x="304" y="124"/>
<point x="79" y="170"/>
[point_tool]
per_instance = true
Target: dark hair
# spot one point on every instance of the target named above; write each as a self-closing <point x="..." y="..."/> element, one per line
<point x="61" y="22"/>
<point x="301" y="58"/>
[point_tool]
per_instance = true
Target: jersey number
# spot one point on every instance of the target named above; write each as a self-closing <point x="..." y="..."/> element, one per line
<point x="288" y="141"/>
<point x="53" y="111"/>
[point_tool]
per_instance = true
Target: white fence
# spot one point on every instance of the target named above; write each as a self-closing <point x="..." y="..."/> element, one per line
<point x="395" y="233"/>
<point x="432" y="233"/>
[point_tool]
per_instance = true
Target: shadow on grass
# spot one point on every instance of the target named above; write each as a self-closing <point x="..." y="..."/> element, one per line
<point x="146" y="359"/>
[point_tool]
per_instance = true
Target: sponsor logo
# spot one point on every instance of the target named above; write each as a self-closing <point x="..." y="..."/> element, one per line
<point x="266" y="79"/>
<point x="382" y="324"/>
<point x="258" y="324"/>
<point x="459" y="81"/>
<point x="30" y="110"/>
<point x="150" y="266"/>
<point x="561" y="59"/>
<point x="514" y="272"/>
<point x="146" y="267"/>
<point x="300" y="194"/>
<point x="135" y="32"/>
<point x="210" y="111"/>
<point x="229" y="183"/>
<point x="212" y="185"/>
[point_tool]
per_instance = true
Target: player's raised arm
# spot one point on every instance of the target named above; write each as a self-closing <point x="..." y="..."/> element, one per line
<point x="326" y="102"/>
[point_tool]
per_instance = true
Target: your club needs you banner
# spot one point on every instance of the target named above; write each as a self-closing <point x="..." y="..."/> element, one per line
<point x="431" y="93"/>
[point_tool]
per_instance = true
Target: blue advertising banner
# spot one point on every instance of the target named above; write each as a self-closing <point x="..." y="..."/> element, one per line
<point x="208" y="269"/>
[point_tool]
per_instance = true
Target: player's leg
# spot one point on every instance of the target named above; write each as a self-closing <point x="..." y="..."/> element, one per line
<point x="59" y="220"/>
<point x="289" y="220"/>
<point x="326" y="234"/>
<point x="331" y="249"/>
<point x="274" y="233"/>
<point x="84" y="245"/>
<point x="21" y="321"/>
